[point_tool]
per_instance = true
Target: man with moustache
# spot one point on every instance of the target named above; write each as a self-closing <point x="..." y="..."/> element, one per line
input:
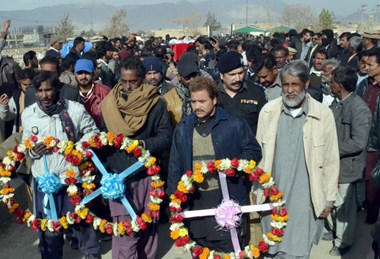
<point x="299" y="144"/>
<point x="66" y="120"/>
<point x="327" y="67"/>
<point x="155" y="76"/>
<point x="136" y="110"/>
<point x="210" y="133"/>
<point x="239" y="98"/>
<point x="91" y="93"/>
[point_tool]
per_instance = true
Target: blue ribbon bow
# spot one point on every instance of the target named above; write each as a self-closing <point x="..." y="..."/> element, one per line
<point x="49" y="184"/>
<point x="112" y="185"/>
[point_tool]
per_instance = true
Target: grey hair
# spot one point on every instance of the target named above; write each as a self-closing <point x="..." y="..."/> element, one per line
<point x="355" y="42"/>
<point x="296" y="68"/>
<point x="332" y="61"/>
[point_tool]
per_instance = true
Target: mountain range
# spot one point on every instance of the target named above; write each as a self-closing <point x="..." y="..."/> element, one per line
<point x="155" y="16"/>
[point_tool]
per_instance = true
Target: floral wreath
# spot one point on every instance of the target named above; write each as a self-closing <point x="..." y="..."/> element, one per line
<point x="78" y="156"/>
<point x="179" y="231"/>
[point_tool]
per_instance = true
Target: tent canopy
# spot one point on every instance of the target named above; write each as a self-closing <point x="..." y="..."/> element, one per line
<point x="249" y="29"/>
<point x="281" y="28"/>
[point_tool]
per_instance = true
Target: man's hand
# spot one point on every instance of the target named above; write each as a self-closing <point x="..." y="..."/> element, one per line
<point x="40" y="149"/>
<point x="4" y="99"/>
<point x="215" y="45"/>
<point x="325" y="212"/>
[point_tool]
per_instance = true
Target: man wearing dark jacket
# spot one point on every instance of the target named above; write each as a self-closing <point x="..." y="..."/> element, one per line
<point x="239" y="98"/>
<point x="207" y="134"/>
<point x="353" y="121"/>
<point x="369" y="90"/>
<point x="137" y="111"/>
<point x="295" y="43"/>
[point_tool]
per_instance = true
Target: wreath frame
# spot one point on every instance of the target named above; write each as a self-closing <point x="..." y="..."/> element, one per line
<point x="78" y="156"/>
<point x="186" y="186"/>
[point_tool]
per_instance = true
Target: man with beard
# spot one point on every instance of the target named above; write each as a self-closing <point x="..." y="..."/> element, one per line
<point x="91" y="94"/>
<point x="104" y="54"/>
<point x="327" y="67"/>
<point x="154" y="75"/>
<point x="65" y="120"/>
<point x="306" y="42"/>
<point x="137" y="111"/>
<point x="299" y="144"/>
<point x="239" y="98"/>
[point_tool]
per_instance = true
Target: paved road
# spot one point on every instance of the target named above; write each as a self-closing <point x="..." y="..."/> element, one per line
<point x="19" y="242"/>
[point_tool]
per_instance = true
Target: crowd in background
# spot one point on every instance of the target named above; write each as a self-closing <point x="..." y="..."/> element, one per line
<point x="247" y="70"/>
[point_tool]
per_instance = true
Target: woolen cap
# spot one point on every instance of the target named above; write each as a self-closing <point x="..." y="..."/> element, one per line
<point x="230" y="61"/>
<point x="153" y="64"/>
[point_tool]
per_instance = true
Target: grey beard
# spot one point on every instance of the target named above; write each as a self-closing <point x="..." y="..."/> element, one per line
<point x="326" y="89"/>
<point x="296" y="102"/>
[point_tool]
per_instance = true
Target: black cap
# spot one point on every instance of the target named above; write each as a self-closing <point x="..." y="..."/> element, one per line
<point x="230" y="61"/>
<point x="188" y="64"/>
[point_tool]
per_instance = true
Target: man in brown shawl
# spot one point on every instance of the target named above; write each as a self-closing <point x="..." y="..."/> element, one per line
<point x="137" y="111"/>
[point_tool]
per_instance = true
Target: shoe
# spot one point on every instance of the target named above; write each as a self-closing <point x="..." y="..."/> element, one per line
<point x="338" y="251"/>
<point x="328" y="236"/>
<point x="91" y="256"/>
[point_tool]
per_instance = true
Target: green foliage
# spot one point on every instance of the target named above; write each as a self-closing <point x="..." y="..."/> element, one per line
<point x="326" y="20"/>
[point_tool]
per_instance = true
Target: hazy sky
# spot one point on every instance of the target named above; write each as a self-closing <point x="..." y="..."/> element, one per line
<point x="339" y="7"/>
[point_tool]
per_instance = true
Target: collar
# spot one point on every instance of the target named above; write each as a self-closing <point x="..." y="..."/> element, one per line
<point x="277" y="82"/>
<point x="102" y="61"/>
<point x="51" y="48"/>
<point x="304" y="109"/>
<point x="88" y="94"/>
<point x="223" y="89"/>
<point x="313" y="71"/>
<point x="373" y="82"/>
<point x="347" y="98"/>
<point x="220" y="114"/>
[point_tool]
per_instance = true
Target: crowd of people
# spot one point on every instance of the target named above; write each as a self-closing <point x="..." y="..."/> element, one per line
<point x="304" y="105"/>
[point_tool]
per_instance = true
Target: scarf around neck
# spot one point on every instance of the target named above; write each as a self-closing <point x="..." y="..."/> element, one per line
<point x="128" y="116"/>
<point x="60" y="109"/>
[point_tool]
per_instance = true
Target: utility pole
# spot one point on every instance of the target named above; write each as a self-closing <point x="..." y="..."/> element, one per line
<point x="246" y="12"/>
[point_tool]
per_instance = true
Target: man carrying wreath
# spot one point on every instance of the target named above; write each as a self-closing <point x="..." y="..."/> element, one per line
<point x="136" y="110"/>
<point x="207" y="134"/>
<point x="64" y="120"/>
<point x="300" y="148"/>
